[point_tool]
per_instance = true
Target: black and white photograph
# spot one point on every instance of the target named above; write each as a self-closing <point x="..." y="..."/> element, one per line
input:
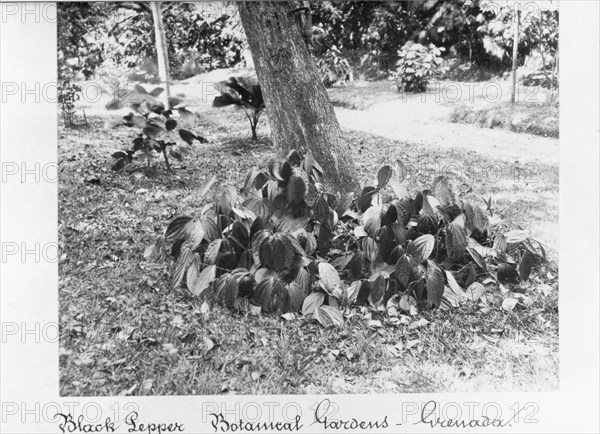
<point x="307" y="198"/>
<point x="354" y="209"/>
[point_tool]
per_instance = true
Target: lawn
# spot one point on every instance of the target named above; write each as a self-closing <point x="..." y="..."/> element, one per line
<point x="125" y="332"/>
<point x="541" y="120"/>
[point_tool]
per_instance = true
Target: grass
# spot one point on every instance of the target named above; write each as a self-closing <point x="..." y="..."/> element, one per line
<point x="360" y="95"/>
<point x="124" y="332"/>
<point x="520" y="118"/>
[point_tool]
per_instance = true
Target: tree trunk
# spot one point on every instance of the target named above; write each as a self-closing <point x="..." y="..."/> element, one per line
<point x="300" y="113"/>
<point x="162" y="52"/>
<point x="515" y="53"/>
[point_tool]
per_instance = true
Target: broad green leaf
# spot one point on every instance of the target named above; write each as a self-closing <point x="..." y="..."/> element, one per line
<point x="506" y="272"/>
<point x="329" y="316"/>
<point x="372" y="220"/>
<point x="474" y="218"/>
<point x="424" y="246"/>
<point x="401" y="170"/>
<point x="408" y="304"/>
<point x="183" y="262"/>
<point x="198" y="282"/>
<point x="177" y="228"/>
<point x="344" y="204"/>
<point x="526" y="264"/>
<point x="398" y="189"/>
<point x="330" y="279"/>
<point x="378" y="287"/>
<point x="276" y="252"/>
<point x="516" y="236"/>
<point x="442" y="191"/>
<point x="297" y="296"/>
<point x="209" y="182"/>
<point x="475" y="291"/>
<point x="212" y="251"/>
<point x="456" y="240"/>
<point x="226" y="290"/>
<point x="383" y="176"/>
<point x="312" y="302"/>
<point x="187" y="136"/>
<point x="477" y="258"/>
<point x="435" y="284"/>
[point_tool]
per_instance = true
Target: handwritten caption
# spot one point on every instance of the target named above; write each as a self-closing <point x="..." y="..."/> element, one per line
<point x="324" y="416"/>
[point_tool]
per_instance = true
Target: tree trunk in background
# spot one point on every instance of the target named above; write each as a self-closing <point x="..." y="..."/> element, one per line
<point x="300" y="113"/>
<point x="515" y="53"/>
<point x="162" y="53"/>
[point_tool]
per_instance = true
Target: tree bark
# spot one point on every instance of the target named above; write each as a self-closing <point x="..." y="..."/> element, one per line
<point x="162" y="52"/>
<point x="300" y="113"/>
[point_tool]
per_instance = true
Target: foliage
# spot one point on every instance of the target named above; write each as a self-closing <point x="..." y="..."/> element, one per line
<point x="199" y="37"/>
<point x="78" y="49"/>
<point x="375" y="29"/>
<point x="416" y="65"/>
<point x="538" y="31"/>
<point x="156" y="125"/>
<point x="245" y="93"/>
<point x="281" y="244"/>
<point x="67" y="94"/>
<point x="476" y="31"/>
<point x="334" y="69"/>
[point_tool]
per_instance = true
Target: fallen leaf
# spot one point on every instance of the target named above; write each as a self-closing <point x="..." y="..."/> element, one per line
<point x="147" y="385"/>
<point x="177" y="321"/>
<point x="509" y="304"/>
<point x="418" y="324"/>
<point x="475" y="291"/>
<point x="374" y="324"/>
<point x="412" y="343"/>
<point x="117" y="362"/>
<point x="84" y="361"/>
<point x="205" y="309"/>
<point x="208" y="345"/>
<point x="254" y="310"/>
<point x="170" y="348"/>
<point x="546" y="289"/>
<point x="128" y="392"/>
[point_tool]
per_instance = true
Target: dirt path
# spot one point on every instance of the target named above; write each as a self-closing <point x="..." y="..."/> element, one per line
<point x="422" y="120"/>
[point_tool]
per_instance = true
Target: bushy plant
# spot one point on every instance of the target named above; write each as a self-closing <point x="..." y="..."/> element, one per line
<point x="282" y="244"/>
<point x="156" y="126"/>
<point x="334" y="69"/>
<point x="67" y="94"/>
<point x="416" y="65"/>
<point x="244" y="93"/>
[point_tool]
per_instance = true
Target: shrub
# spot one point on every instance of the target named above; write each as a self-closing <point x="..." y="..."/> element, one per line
<point x="68" y="93"/>
<point x="156" y="125"/>
<point x="416" y="65"/>
<point x="334" y="69"/>
<point x="281" y="244"/>
<point x="245" y="93"/>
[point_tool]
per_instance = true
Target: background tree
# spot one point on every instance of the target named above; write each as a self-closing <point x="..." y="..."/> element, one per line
<point x="300" y="113"/>
<point x="161" y="51"/>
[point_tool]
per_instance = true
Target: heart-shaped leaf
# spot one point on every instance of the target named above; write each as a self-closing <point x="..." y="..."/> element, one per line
<point x="383" y="176"/>
<point x="424" y="246"/>
<point x="312" y="302"/>
<point x="435" y="284"/>
<point x="330" y="279"/>
<point x="328" y="316"/>
<point x="526" y="264"/>
<point x="198" y="282"/>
